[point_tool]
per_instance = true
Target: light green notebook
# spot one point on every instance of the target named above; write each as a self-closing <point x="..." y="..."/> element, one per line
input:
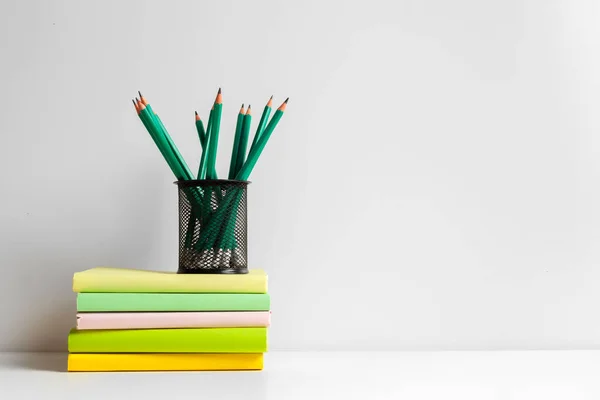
<point x="103" y="302"/>
<point x="122" y="280"/>
<point x="202" y="340"/>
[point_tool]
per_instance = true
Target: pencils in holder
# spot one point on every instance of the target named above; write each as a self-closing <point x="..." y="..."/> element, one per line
<point x="212" y="211"/>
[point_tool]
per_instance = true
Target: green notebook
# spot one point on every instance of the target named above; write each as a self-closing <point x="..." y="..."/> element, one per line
<point x="103" y="302"/>
<point x="202" y="340"/>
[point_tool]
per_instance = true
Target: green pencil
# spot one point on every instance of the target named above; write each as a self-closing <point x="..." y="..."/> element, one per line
<point x="149" y="125"/>
<point x="241" y="153"/>
<point x="180" y="160"/>
<point x="164" y="134"/>
<point x="246" y="169"/>
<point x="161" y="143"/>
<point x="214" y="136"/>
<point x="236" y="141"/>
<point x="200" y="130"/>
<point x="264" y="118"/>
<point x="203" y="167"/>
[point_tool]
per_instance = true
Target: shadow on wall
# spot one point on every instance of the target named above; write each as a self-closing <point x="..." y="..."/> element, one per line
<point x="39" y="306"/>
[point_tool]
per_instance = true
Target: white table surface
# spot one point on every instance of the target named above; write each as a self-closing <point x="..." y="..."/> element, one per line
<point x="527" y="375"/>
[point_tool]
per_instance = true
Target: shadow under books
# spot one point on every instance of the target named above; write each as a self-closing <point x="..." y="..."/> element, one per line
<point x="52" y="362"/>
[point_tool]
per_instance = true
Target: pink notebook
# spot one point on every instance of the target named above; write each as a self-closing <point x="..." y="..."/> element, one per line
<point x="157" y="320"/>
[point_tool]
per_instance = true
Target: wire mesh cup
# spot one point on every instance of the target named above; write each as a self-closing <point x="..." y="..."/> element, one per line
<point x="213" y="227"/>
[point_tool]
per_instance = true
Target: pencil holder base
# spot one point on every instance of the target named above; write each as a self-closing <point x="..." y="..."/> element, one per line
<point x="212" y="261"/>
<point x="212" y="227"/>
<point x="220" y="271"/>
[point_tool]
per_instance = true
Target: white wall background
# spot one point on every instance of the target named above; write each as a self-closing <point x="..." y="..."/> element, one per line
<point x="434" y="184"/>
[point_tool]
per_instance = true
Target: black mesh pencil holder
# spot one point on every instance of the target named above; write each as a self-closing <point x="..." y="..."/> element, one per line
<point x="213" y="227"/>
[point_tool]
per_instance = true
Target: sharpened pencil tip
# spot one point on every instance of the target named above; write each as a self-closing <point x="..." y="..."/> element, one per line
<point x="142" y="99"/>
<point x="283" y="105"/>
<point x="270" y="102"/>
<point x="219" y="92"/>
<point x="196" y="113"/>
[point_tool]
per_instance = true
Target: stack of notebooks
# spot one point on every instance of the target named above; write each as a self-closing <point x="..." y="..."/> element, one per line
<point x="133" y="320"/>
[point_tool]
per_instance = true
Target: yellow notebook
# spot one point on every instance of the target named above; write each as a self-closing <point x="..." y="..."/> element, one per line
<point x="164" y="362"/>
<point x="118" y="280"/>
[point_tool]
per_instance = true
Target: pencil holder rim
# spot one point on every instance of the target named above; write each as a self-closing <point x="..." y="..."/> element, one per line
<point x="210" y="182"/>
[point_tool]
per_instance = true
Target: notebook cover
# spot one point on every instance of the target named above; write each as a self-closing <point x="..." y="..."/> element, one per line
<point x="164" y="362"/>
<point x="150" y="320"/>
<point x="98" y="302"/>
<point x="106" y="279"/>
<point x="197" y="340"/>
